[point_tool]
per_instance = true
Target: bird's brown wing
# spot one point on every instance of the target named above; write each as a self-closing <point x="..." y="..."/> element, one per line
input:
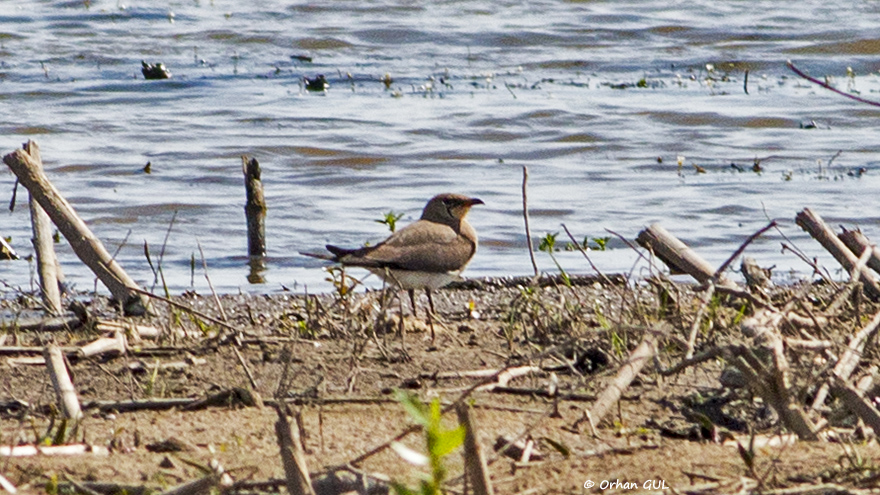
<point x="421" y="246"/>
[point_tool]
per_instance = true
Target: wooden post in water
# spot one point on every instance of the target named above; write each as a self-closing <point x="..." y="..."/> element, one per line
<point x="47" y="262"/>
<point x="255" y="207"/>
<point x="87" y="247"/>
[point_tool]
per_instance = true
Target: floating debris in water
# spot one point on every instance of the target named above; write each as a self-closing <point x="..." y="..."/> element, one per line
<point x="302" y="58"/>
<point x="319" y="83"/>
<point x="387" y="80"/>
<point x="155" y="71"/>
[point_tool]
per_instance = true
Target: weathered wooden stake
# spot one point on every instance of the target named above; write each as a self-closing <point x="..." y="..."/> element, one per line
<point x="47" y="262"/>
<point x="255" y="207"/>
<point x="87" y="247"/>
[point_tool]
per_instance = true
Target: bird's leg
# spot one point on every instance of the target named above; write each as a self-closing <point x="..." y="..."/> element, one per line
<point x="412" y="301"/>
<point x="401" y="325"/>
<point x="430" y="313"/>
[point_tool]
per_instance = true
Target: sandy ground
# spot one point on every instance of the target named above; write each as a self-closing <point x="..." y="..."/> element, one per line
<point x="345" y="359"/>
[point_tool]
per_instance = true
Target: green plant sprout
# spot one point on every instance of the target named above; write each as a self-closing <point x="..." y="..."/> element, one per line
<point x="548" y="245"/>
<point x="598" y="244"/>
<point x="440" y="442"/>
<point x="390" y="219"/>
<point x="343" y="284"/>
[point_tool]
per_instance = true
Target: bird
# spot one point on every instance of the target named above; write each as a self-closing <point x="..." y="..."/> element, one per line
<point x="426" y="254"/>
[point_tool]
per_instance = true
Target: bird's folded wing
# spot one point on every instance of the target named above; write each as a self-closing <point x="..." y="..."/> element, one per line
<point x="422" y="246"/>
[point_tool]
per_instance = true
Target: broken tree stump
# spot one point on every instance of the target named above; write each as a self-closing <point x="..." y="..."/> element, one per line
<point x="819" y="230"/>
<point x="85" y="244"/>
<point x="255" y="207"/>
<point x="678" y="256"/>
<point x="47" y="261"/>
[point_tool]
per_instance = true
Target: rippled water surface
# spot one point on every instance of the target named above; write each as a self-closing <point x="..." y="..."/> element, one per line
<point x="598" y="99"/>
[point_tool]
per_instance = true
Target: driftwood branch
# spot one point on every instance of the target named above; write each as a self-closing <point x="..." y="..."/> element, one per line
<point x="474" y="461"/>
<point x="850" y="358"/>
<point x="200" y="486"/>
<point x="765" y="368"/>
<point x="47" y="261"/>
<point x="678" y="256"/>
<point x="32" y="450"/>
<point x="85" y="244"/>
<point x="856" y="403"/>
<point x="292" y="455"/>
<point x="819" y="230"/>
<point x="115" y="345"/>
<point x="64" y="391"/>
<point x="627" y="373"/>
<point x="856" y="242"/>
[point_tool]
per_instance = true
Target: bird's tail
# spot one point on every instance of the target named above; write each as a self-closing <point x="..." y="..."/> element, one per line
<point x="338" y="252"/>
<point x="320" y="256"/>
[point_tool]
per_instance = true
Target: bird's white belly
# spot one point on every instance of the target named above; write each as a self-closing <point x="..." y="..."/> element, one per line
<point x="407" y="279"/>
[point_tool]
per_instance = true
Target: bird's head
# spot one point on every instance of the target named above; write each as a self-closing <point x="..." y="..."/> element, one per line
<point x="448" y="208"/>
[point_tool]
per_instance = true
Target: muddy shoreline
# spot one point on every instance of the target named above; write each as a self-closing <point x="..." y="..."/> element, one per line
<point x="345" y="358"/>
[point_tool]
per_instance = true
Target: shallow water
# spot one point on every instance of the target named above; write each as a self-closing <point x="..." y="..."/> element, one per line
<point x="480" y="90"/>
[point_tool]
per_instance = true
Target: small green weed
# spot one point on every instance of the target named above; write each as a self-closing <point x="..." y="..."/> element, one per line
<point x="440" y="442"/>
<point x="343" y="284"/>
<point x="390" y="219"/>
<point x="594" y="244"/>
<point x="548" y="245"/>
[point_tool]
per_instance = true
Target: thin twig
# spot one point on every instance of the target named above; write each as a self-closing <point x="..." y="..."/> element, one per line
<point x="185" y="308"/>
<point x="210" y="285"/>
<point x="583" y="252"/>
<point x="461" y="398"/>
<point x="162" y="252"/>
<point x="526" y="218"/>
<point x="695" y="326"/>
<point x="247" y="370"/>
<point x="831" y="160"/>
<point x="742" y="248"/>
<point x="508" y="89"/>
